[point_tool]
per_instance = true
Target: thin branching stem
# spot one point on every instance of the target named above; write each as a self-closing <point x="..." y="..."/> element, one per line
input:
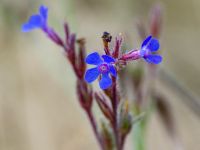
<point x="94" y="127"/>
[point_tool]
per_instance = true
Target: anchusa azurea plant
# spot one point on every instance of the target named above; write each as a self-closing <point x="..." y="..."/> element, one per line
<point x="112" y="133"/>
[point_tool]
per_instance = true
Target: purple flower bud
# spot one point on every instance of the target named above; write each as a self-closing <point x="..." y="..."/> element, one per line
<point x="117" y="48"/>
<point x="132" y="55"/>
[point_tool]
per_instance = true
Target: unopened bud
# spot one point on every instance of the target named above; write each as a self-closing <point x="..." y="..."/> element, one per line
<point x="125" y="119"/>
<point x="131" y="55"/>
<point x="104" y="107"/>
<point x="156" y="20"/>
<point x="81" y="65"/>
<point x="117" y="48"/>
<point x="85" y="95"/>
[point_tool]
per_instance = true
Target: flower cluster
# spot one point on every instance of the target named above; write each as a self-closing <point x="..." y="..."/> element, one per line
<point x="149" y="46"/>
<point x="105" y="70"/>
<point x="105" y="65"/>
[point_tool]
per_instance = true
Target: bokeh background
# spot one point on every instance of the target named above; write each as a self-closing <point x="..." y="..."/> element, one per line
<point x="38" y="104"/>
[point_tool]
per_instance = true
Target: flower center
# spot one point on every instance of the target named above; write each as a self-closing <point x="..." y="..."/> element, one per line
<point x="144" y="52"/>
<point x="103" y="68"/>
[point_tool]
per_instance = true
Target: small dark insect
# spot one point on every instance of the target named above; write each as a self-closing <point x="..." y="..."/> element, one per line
<point x="106" y="36"/>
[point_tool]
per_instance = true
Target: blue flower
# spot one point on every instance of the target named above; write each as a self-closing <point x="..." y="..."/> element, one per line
<point x="104" y="67"/>
<point x="148" y="47"/>
<point x="37" y="20"/>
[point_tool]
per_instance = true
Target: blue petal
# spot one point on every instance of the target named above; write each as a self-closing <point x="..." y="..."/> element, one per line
<point x="113" y="70"/>
<point x="153" y="59"/>
<point x="108" y="59"/>
<point x="27" y="27"/>
<point x="91" y="74"/>
<point x="93" y="59"/>
<point x="34" y="21"/>
<point x="146" y="41"/>
<point x="43" y="12"/>
<point x="105" y="81"/>
<point x="153" y="45"/>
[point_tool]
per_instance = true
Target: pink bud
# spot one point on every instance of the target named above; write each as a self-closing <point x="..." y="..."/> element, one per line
<point x="132" y="55"/>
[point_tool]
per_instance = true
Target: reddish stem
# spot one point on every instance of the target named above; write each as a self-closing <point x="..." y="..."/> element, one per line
<point x="115" y="118"/>
<point x="94" y="127"/>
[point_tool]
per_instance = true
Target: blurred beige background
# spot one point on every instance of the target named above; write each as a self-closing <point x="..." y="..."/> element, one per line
<point x="38" y="104"/>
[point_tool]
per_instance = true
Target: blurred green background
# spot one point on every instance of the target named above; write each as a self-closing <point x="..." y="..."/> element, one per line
<point x="38" y="105"/>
